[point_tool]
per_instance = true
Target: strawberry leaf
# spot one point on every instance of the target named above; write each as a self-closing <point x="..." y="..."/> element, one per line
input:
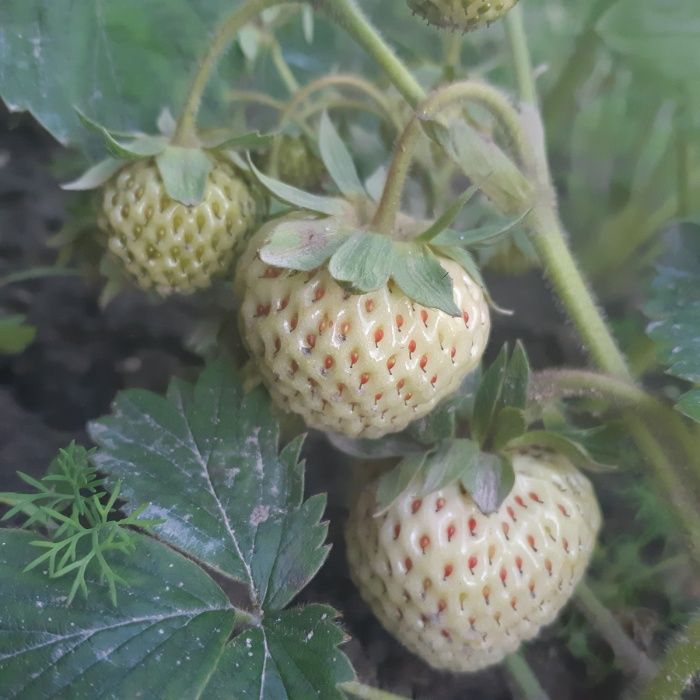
<point x="447" y="464"/>
<point x="205" y="458"/>
<point x="302" y="243"/>
<point x="291" y="656"/>
<point x="517" y="379"/>
<point x="483" y="235"/>
<point x="338" y="160"/>
<point x="437" y="229"/>
<point x="464" y="259"/>
<point x="153" y="645"/>
<point x="139" y="147"/>
<point x="509" y="424"/>
<point x="421" y="277"/>
<point x="298" y="198"/>
<point x="363" y="260"/>
<point x="689" y="404"/>
<point x="489" y="479"/>
<point x="184" y="172"/>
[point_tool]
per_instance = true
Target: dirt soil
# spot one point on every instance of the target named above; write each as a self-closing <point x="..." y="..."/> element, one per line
<point x="82" y="356"/>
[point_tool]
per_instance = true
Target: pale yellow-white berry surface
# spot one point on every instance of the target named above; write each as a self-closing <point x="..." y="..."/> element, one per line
<point x="461" y="14"/>
<point x="167" y="246"/>
<point x="462" y="589"/>
<point x="363" y="365"/>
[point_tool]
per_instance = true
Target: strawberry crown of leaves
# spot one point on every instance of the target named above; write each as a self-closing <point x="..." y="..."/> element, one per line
<point x="503" y="422"/>
<point x="358" y="257"/>
<point x="184" y="169"/>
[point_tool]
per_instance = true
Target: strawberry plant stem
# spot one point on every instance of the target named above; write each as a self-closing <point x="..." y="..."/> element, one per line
<point x="678" y="668"/>
<point x="429" y="108"/>
<point x="629" y="656"/>
<point x="524" y="678"/>
<point x="185" y="132"/>
<point x="367" y="692"/>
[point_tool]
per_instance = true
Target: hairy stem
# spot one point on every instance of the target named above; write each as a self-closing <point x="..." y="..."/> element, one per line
<point x="679" y="667"/>
<point x="429" y="108"/>
<point x="185" y="132"/>
<point x="524" y="678"/>
<point x="285" y="72"/>
<point x="629" y="656"/>
<point x="367" y="692"/>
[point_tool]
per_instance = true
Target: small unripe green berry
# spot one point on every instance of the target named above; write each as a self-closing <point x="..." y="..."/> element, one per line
<point x="461" y="14"/>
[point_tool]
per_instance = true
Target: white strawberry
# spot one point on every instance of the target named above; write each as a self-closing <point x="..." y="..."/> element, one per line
<point x="462" y="589"/>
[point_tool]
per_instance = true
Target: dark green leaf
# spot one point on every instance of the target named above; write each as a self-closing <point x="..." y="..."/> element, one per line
<point x="393" y="483"/>
<point x="302" y="243"/>
<point x="163" y="640"/>
<point x="184" y="172"/>
<point x="508" y="425"/>
<point x="15" y="334"/>
<point x="96" y="175"/>
<point x="205" y="459"/>
<point x="338" y="160"/>
<point x="488" y="397"/>
<point x="298" y="198"/>
<point x="489" y="480"/>
<point x="517" y="379"/>
<point x="417" y="271"/>
<point x="447" y="465"/>
<point x="439" y="424"/>
<point x="291" y="656"/>
<point x="437" y="229"/>
<point x="363" y="260"/>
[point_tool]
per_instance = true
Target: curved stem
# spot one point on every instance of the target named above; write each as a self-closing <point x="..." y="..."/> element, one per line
<point x="524" y="678"/>
<point x="429" y="108"/>
<point x="367" y="692"/>
<point x="341" y="103"/>
<point x="185" y="132"/>
<point x="630" y="657"/>
<point x="285" y="72"/>
<point x="256" y="98"/>
<point x="350" y="17"/>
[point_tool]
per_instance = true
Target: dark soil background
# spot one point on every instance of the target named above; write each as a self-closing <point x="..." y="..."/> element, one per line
<point x="83" y="355"/>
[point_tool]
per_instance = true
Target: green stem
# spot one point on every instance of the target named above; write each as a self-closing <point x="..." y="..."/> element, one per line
<point x="367" y="692"/>
<point x="524" y="678"/>
<point x="680" y="665"/>
<point x="522" y="61"/>
<point x="428" y="109"/>
<point x="350" y="17"/>
<point x="256" y="98"/>
<point x="185" y="132"/>
<point x="629" y="656"/>
<point x="285" y="72"/>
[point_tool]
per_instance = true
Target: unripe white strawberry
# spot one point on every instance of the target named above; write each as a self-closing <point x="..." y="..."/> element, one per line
<point x="359" y="364"/>
<point x="462" y="589"/>
<point x="461" y="14"/>
<point x="170" y="247"/>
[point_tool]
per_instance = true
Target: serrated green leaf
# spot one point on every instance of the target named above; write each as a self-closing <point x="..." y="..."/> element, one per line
<point x="298" y="198"/>
<point x="291" y="656"/>
<point x="489" y="479"/>
<point x="15" y="334"/>
<point x="517" y="379"/>
<point x="394" y="482"/>
<point x="488" y="396"/>
<point x="486" y="165"/>
<point x="302" y="243"/>
<point x="364" y="260"/>
<point x="447" y="465"/>
<point x="561" y="443"/>
<point x="184" y="172"/>
<point x="483" y="235"/>
<point x="689" y="404"/>
<point x="96" y="175"/>
<point x="338" y="160"/>
<point x="508" y="424"/>
<point x="437" y="229"/>
<point x="417" y="271"/>
<point x="205" y="458"/>
<point x="163" y="640"/>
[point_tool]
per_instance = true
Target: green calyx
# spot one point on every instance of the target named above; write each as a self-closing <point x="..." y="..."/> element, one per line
<point x="183" y="169"/>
